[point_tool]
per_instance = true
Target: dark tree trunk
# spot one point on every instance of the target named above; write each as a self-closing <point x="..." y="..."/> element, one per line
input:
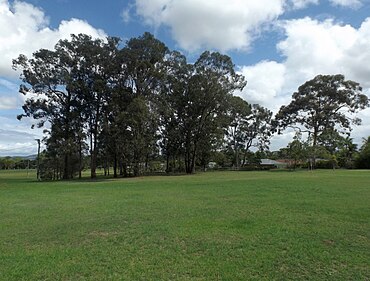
<point x="80" y="159"/>
<point x="120" y="166"/>
<point x="66" y="167"/>
<point x="93" y="164"/>
<point x="93" y="143"/>
<point x="167" y="163"/>
<point x="115" y="165"/>
<point x="314" y="145"/>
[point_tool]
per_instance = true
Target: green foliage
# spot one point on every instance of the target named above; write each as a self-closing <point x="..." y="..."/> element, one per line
<point x="117" y="101"/>
<point x="320" y="108"/>
<point x="250" y="126"/>
<point x="7" y="163"/>
<point x="195" y="100"/>
<point x="127" y="105"/>
<point x="297" y="152"/>
<point x="363" y="159"/>
<point x="322" y="103"/>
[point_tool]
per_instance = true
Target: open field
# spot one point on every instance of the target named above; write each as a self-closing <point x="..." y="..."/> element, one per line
<point x="209" y="226"/>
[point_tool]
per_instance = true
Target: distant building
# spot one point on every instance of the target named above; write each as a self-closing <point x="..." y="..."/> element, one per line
<point x="273" y="163"/>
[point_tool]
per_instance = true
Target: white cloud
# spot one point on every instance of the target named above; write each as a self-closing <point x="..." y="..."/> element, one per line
<point x="265" y="82"/>
<point x="356" y="59"/>
<point x="218" y="24"/>
<point x="24" y="29"/>
<point x="354" y="4"/>
<point x="310" y="48"/>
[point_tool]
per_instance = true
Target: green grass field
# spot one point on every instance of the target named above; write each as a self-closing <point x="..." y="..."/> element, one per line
<point x="209" y="226"/>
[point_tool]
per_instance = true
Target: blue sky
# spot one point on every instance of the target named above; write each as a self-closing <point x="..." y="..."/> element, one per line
<point x="276" y="44"/>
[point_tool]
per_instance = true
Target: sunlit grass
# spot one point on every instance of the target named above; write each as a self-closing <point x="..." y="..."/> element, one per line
<point x="209" y="226"/>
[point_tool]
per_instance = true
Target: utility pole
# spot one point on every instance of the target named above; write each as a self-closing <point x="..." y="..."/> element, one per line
<point x="38" y="159"/>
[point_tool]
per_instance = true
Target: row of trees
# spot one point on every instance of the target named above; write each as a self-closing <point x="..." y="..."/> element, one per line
<point x="343" y="153"/>
<point x="335" y="152"/>
<point x="8" y="163"/>
<point x="126" y="105"/>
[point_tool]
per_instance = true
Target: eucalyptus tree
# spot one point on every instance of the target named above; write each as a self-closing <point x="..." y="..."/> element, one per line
<point x="238" y="112"/>
<point x="250" y="126"/>
<point x="70" y="88"/>
<point x="197" y="98"/>
<point x="94" y="80"/>
<point x="326" y="102"/>
<point x="134" y="111"/>
<point x="47" y="78"/>
<point x="172" y="100"/>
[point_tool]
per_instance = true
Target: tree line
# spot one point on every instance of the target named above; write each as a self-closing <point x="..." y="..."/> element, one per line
<point x="11" y="163"/>
<point x="126" y="105"/>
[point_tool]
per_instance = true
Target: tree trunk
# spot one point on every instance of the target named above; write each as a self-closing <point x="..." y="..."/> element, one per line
<point x="93" y="164"/>
<point x="80" y="160"/>
<point x="244" y="159"/>
<point x="66" y="166"/>
<point x="314" y="144"/>
<point x="94" y="152"/>
<point x="167" y="163"/>
<point x="193" y="162"/>
<point x="115" y="165"/>
<point x="120" y="166"/>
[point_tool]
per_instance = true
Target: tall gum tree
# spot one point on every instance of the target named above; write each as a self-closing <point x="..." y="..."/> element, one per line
<point x="140" y="83"/>
<point x="47" y="80"/>
<point x="70" y="88"/>
<point x="325" y="102"/>
<point x="197" y="98"/>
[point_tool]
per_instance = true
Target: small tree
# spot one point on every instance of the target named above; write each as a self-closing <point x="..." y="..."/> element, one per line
<point x="296" y="151"/>
<point x="347" y="152"/>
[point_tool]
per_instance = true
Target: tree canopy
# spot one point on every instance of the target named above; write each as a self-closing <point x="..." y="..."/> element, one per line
<point x="133" y="104"/>
<point x="325" y="103"/>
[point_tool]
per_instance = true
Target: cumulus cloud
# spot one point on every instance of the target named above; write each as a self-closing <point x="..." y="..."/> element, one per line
<point x="310" y="48"/>
<point x="265" y="82"/>
<point x="24" y="29"/>
<point x="356" y="59"/>
<point x="218" y="24"/>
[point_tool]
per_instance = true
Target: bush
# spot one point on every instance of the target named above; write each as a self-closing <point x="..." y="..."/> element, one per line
<point x="325" y="164"/>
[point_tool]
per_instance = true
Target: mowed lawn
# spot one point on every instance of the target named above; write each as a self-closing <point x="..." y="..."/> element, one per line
<point x="209" y="226"/>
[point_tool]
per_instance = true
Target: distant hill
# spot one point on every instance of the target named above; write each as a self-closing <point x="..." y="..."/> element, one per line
<point x="29" y="157"/>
